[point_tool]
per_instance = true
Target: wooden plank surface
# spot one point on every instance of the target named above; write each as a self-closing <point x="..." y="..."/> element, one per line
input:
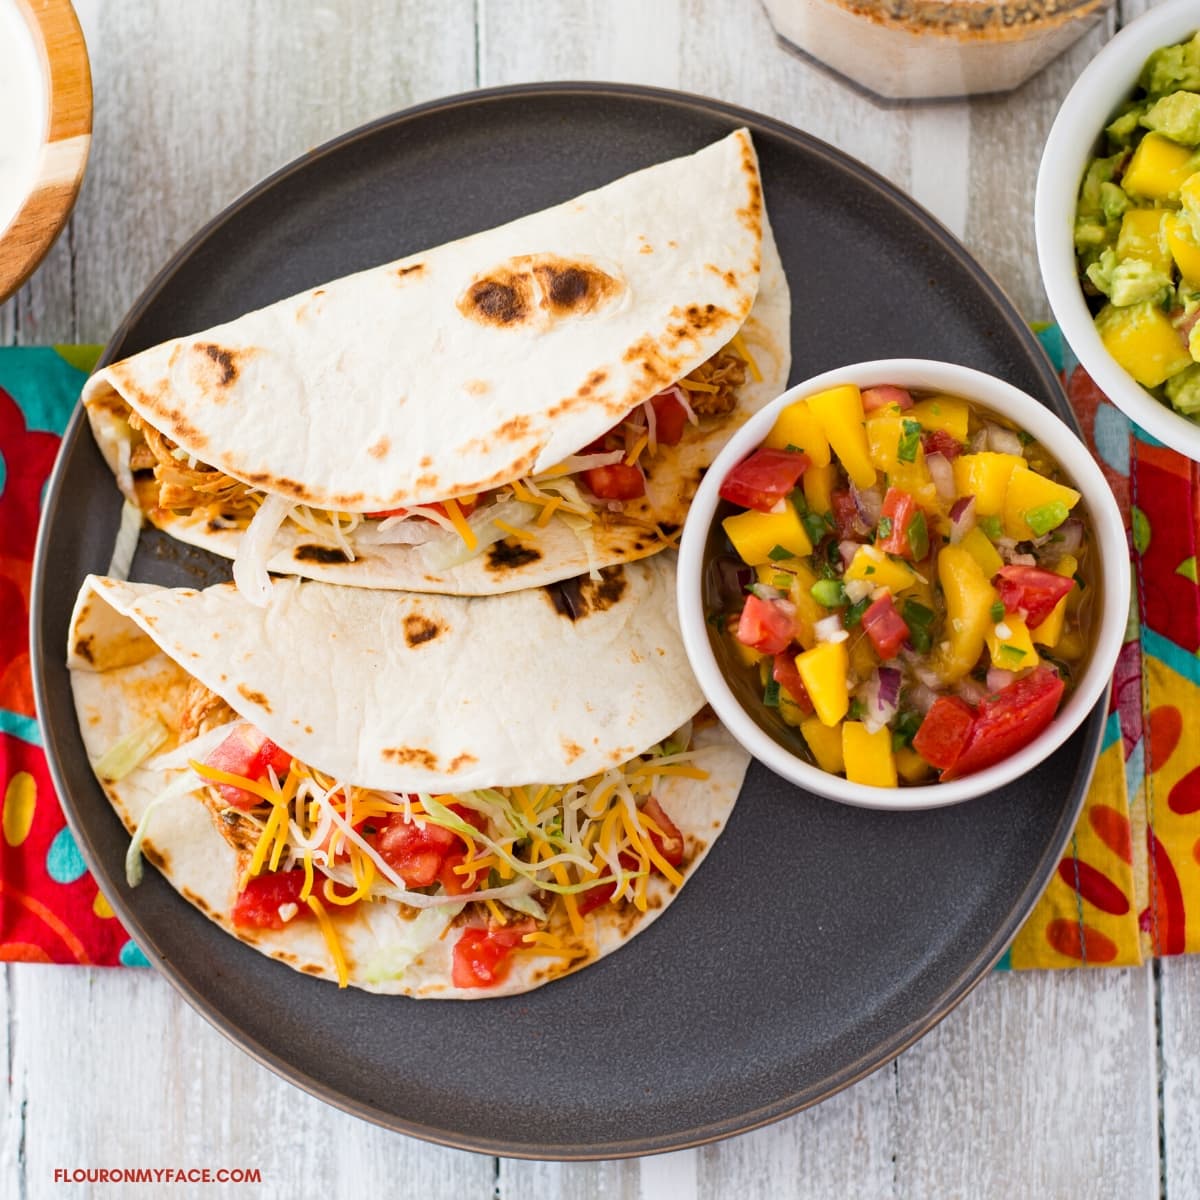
<point x="1039" y="1084"/>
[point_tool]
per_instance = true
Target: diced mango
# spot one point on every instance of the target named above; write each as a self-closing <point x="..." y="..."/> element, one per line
<point x="863" y="659"/>
<point x="942" y="412"/>
<point x="839" y="412"/>
<point x="969" y="599"/>
<point x="1141" y="237"/>
<point x="1185" y="250"/>
<point x="1009" y="644"/>
<point x="1143" y="340"/>
<point x="1027" y="490"/>
<point x="883" y="439"/>
<point x="1070" y="645"/>
<point x="1158" y="169"/>
<point x="879" y="570"/>
<point x="798" y="426"/>
<point x="915" y="479"/>
<point x="1050" y="630"/>
<point x="825" y="742"/>
<point x="755" y="534"/>
<point x="823" y="672"/>
<point x="819" y="483"/>
<point x="868" y="756"/>
<point x="985" y="476"/>
<point x="976" y="544"/>
<point x="911" y="766"/>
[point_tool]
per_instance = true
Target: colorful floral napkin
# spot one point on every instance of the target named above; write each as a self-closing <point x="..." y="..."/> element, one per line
<point x="1128" y="887"/>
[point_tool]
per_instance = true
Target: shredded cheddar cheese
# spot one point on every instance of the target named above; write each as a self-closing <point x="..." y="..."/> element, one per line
<point x="455" y="513"/>
<point x="331" y="940"/>
<point x="743" y="352"/>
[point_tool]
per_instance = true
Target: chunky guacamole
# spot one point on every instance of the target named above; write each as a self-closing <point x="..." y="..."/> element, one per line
<point x="1137" y="229"/>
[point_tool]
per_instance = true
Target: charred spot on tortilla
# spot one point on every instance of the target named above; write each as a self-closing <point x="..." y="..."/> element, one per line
<point x="380" y="448"/>
<point x="575" y="598"/>
<point x="476" y="387"/>
<point x="419" y="629"/>
<point x="83" y="648"/>
<point x="415" y="269"/>
<point x="571" y="749"/>
<point x="319" y="554"/>
<point x="224" y="369"/>
<point x="253" y="697"/>
<point x="503" y="298"/>
<point x="411" y="754"/>
<point x="459" y="761"/>
<point x="573" y="288"/>
<point x="508" y="554"/>
<point x="196" y="899"/>
<point x="312" y="969"/>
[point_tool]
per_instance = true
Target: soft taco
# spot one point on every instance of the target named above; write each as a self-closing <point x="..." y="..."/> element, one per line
<point x="520" y="406"/>
<point x="267" y="803"/>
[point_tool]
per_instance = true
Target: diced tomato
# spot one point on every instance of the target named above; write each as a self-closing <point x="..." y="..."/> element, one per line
<point x="258" y="903"/>
<point x="766" y="625"/>
<point x="785" y="674"/>
<point x="938" y="441"/>
<point x="885" y="627"/>
<point x="467" y="505"/>
<point x="1031" y="590"/>
<point x="845" y="515"/>
<point x="618" y="481"/>
<point x="458" y="883"/>
<point x="944" y="732"/>
<point x="415" y="854"/>
<point x="480" y="955"/>
<point x="880" y="397"/>
<point x="763" y="479"/>
<point x="670" y="845"/>
<point x="670" y="418"/>
<point x="247" y="752"/>
<point x="595" y="897"/>
<point x="1009" y="721"/>
<point x="900" y="511"/>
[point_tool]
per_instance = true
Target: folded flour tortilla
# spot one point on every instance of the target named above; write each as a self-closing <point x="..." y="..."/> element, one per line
<point x="436" y="424"/>
<point x="396" y="725"/>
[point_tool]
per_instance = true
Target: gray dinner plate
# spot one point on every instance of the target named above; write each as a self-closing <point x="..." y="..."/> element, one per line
<point x="816" y="941"/>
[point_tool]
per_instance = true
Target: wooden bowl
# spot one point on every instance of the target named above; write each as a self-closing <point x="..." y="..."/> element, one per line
<point x="68" y="136"/>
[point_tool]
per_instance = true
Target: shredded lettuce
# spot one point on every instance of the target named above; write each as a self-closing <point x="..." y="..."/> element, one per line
<point x="132" y="750"/>
<point x="126" y="542"/>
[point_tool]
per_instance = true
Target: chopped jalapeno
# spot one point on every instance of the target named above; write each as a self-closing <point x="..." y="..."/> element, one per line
<point x="910" y="440"/>
<point x="829" y="592"/>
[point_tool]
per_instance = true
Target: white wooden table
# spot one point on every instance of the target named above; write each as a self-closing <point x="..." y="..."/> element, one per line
<point x="1040" y="1085"/>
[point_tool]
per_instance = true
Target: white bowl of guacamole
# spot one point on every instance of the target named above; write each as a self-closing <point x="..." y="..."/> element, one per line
<point x="1113" y="165"/>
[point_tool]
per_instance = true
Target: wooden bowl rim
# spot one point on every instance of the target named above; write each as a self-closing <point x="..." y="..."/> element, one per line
<point x="67" y="79"/>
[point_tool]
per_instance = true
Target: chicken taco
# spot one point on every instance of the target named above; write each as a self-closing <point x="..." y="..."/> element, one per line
<point x="517" y="407"/>
<point x="267" y="804"/>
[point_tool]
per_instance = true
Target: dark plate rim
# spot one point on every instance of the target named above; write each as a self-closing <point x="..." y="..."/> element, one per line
<point x="768" y="1113"/>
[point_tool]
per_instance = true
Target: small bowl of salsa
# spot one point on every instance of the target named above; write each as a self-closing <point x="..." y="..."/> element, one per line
<point x="903" y="584"/>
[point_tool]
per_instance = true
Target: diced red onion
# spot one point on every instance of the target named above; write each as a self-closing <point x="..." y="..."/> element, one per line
<point x="921" y="697"/>
<point x="880" y="696"/>
<point x="1070" y="537"/>
<point x="962" y="518"/>
<point x="869" y="504"/>
<point x="1022" y="560"/>
<point x="971" y="690"/>
<point x="733" y="576"/>
<point x="943" y="474"/>
<point x="847" y="550"/>
<point x="829" y="629"/>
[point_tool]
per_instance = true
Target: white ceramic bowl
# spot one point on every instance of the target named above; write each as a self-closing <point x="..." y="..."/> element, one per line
<point x="1106" y="83"/>
<point x="1108" y="540"/>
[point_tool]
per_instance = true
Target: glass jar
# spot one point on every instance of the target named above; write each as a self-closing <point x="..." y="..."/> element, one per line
<point x="898" y="50"/>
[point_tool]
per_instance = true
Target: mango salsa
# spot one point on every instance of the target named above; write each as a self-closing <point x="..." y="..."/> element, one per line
<point x="1158" y="169"/>
<point x="864" y="643"/>
<point x="1143" y="340"/>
